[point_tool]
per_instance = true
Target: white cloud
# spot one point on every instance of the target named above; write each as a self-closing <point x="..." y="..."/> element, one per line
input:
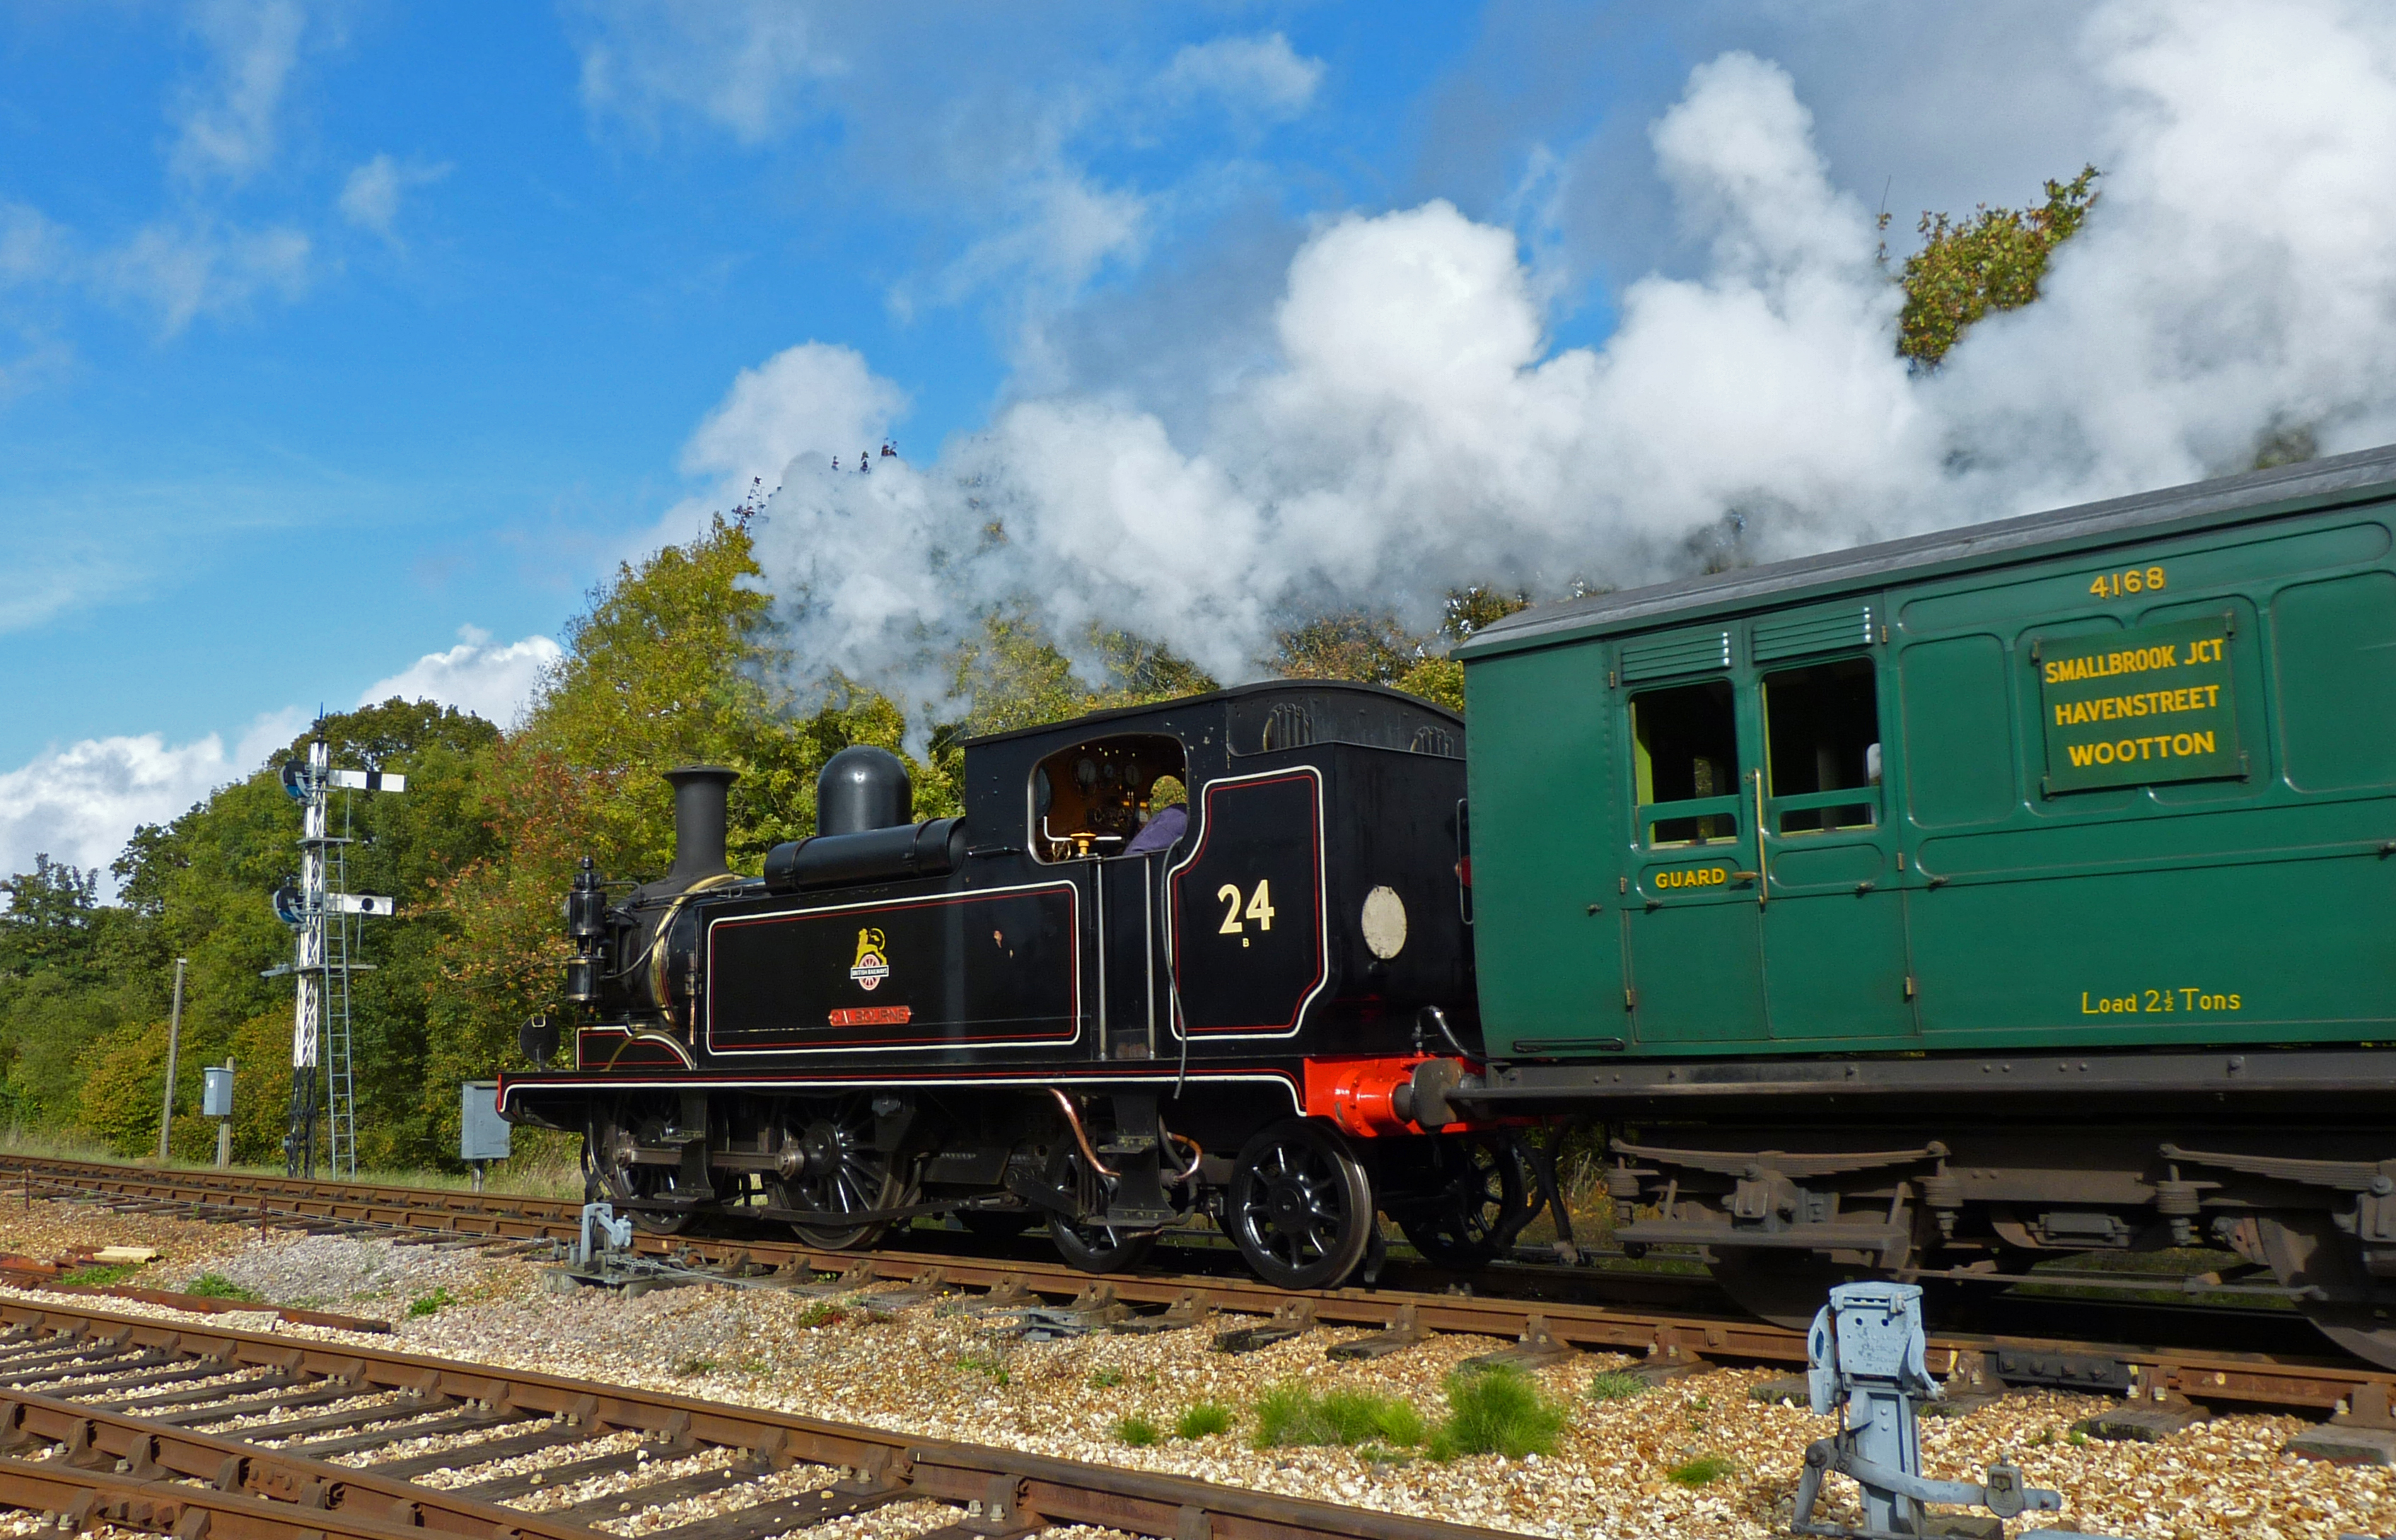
<point x="493" y="682"/>
<point x="79" y="804"/>
<point x="226" y="123"/>
<point x="1418" y="428"/>
<point x="32" y="247"/>
<point x="370" y="197"/>
<point x="816" y="396"/>
<point x="1259" y="73"/>
<point x="1061" y="230"/>
<point x="184" y="270"/>
<point x="741" y="64"/>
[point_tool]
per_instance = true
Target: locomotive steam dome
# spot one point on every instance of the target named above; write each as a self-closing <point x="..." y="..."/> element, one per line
<point x="863" y="788"/>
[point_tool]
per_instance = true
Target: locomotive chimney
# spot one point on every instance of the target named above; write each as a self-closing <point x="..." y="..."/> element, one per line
<point x="863" y="788"/>
<point x="699" y="792"/>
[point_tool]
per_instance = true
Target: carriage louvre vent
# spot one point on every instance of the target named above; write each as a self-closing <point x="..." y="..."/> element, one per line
<point x="1675" y="655"/>
<point x="1433" y="740"/>
<point x="1816" y="631"/>
<point x="1288" y="725"/>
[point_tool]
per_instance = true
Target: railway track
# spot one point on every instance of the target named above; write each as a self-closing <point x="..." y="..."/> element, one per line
<point x="1666" y="1340"/>
<point x="209" y="1434"/>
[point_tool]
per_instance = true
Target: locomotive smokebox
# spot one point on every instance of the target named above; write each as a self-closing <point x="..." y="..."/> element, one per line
<point x="863" y="788"/>
<point x="699" y="793"/>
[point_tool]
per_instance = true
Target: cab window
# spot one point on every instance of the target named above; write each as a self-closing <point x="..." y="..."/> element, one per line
<point x="1821" y="728"/>
<point x="1093" y="798"/>
<point x="1684" y="742"/>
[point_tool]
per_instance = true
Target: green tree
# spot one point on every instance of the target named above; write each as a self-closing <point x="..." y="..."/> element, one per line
<point x="1992" y="260"/>
<point x="676" y="663"/>
<point x="1376" y="649"/>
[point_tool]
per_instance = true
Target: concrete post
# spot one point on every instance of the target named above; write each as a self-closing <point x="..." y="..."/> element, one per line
<point x="174" y="1046"/>
<point x="225" y="1132"/>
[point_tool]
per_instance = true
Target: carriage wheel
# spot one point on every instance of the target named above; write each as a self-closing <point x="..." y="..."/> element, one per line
<point x="2309" y="1249"/>
<point x="1300" y="1208"/>
<point x="1092" y="1248"/>
<point x="839" y="1172"/>
<point x="613" y="1176"/>
<point x="1481" y="1190"/>
<point x="1784" y="1287"/>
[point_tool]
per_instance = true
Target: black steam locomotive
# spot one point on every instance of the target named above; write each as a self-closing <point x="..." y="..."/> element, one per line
<point x="1073" y="1006"/>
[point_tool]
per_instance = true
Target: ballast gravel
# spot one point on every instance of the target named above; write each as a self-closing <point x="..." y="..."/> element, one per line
<point x="944" y="1370"/>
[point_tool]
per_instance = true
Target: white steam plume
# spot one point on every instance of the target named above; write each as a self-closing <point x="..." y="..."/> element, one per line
<point x="2238" y="278"/>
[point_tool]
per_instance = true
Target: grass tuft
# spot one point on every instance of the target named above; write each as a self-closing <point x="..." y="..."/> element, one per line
<point x="1358" y="1416"/>
<point x="1106" y="1377"/>
<point x="1697" y="1472"/>
<point x="433" y="1304"/>
<point x="691" y="1366"/>
<point x="1615" y="1384"/>
<point x="99" y="1275"/>
<point x="985" y="1365"/>
<point x="823" y="1312"/>
<point x="218" y="1286"/>
<point x="1137" y="1431"/>
<point x="1497" y="1411"/>
<point x="1203" y="1421"/>
<point x="1289" y="1415"/>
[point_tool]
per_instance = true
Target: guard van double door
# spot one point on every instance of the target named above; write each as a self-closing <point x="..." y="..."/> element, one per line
<point x="1763" y="899"/>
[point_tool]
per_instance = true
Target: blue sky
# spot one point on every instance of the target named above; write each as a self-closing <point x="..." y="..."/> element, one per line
<point x="333" y="335"/>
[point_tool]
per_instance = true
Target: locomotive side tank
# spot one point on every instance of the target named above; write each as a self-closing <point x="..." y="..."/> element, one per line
<point x="1075" y="1005"/>
<point x="1930" y="906"/>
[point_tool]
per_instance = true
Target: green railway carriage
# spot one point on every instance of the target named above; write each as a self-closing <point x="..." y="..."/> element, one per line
<point x="2021" y="886"/>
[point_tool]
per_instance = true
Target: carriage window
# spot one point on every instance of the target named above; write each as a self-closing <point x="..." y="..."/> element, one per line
<point x="1093" y="798"/>
<point x="1822" y="737"/>
<point x="1686" y="744"/>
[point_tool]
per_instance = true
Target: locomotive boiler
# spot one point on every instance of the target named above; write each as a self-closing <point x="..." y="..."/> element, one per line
<point x="1079" y="1005"/>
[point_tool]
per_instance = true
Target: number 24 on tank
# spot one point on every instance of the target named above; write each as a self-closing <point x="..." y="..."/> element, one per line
<point x="2158" y="1001"/>
<point x="1260" y="908"/>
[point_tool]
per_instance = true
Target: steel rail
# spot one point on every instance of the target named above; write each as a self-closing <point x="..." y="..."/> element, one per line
<point x="156" y="1473"/>
<point x="1665" y="1339"/>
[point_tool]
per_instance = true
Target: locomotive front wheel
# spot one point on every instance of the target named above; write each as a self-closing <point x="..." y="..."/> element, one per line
<point x="1300" y="1208"/>
<point x="612" y="1175"/>
<point x="1092" y="1248"/>
<point x="831" y="1167"/>
<point x="1481" y="1190"/>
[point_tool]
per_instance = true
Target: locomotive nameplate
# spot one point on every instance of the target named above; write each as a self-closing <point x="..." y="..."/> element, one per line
<point x="2131" y="707"/>
<point x="949" y="970"/>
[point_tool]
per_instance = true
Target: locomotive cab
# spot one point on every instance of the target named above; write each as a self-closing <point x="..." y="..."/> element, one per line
<point x="1206" y="957"/>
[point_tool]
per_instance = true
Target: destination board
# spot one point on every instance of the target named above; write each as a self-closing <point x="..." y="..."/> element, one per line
<point x="2131" y="707"/>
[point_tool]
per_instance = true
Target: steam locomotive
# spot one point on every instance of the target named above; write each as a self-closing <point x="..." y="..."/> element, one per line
<point x="1073" y="1006"/>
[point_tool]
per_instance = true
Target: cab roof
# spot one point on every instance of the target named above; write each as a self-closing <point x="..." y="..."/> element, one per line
<point x="2359" y="477"/>
<point x="1130" y="715"/>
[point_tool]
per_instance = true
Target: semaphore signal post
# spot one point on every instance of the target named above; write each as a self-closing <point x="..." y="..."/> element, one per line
<point x="324" y="919"/>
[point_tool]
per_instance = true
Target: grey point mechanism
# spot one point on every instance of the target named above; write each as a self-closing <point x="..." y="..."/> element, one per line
<point x="1864" y="1362"/>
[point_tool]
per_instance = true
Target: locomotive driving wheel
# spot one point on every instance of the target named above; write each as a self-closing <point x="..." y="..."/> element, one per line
<point x="1300" y="1207"/>
<point x="1481" y="1190"/>
<point x="614" y="1173"/>
<point x="828" y="1166"/>
<point x="1092" y="1248"/>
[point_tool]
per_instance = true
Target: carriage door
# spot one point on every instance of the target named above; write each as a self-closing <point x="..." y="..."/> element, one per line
<point x="1693" y="949"/>
<point x="1832" y="911"/>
